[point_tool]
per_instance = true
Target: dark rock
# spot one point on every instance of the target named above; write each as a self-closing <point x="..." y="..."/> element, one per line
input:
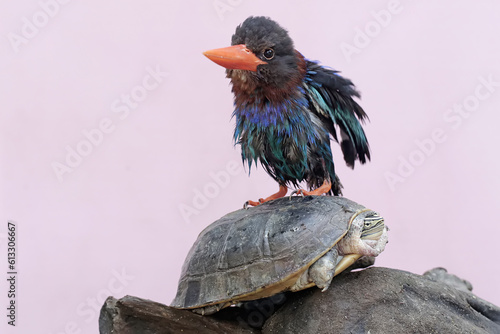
<point x="382" y="300"/>
<point x="374" y="300"/>
<point x="253" y="314"/>
<point x="442" y="275"/>
<point x="132" y="315"/>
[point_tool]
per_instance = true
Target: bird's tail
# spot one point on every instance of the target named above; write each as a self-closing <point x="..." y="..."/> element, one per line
<point x="336" y="186"/>
<point x="353" y="141"/>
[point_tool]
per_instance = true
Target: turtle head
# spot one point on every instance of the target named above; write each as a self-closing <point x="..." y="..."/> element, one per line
<point x="367" y="235"/>
<point x="373" y="226"/>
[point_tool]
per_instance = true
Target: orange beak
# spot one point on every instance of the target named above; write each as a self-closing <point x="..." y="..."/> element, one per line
<point x="236" y="57"/>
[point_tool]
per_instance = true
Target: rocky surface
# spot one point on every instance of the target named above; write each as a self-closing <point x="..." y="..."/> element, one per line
<point x="382" y="300"/>
<point x="442" y="275"/>
<point x="374" y="300"/>
<point x="132" y="315"/>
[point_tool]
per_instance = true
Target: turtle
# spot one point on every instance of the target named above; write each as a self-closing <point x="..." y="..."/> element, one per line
<point x="287" y="244"/>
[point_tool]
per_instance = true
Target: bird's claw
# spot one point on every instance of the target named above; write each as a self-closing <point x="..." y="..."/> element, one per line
<point x="298" y="192"/>
<point x="252" y="203"/>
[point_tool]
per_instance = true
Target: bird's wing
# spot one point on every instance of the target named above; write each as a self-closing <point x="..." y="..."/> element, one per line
<point x="330" y="97"/>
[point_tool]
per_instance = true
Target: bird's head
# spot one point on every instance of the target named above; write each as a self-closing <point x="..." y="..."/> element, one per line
<point x="262" y="57"/>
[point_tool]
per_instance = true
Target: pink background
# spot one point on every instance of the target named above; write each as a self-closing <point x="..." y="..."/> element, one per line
<point x="113" y="225"/>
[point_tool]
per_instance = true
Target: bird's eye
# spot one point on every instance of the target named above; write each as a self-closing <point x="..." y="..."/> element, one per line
<point x="269" y="54"/>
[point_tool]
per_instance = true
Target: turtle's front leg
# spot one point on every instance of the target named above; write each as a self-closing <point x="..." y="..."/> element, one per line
<point x="320" y="273"/>
<point x="323" y="270"/>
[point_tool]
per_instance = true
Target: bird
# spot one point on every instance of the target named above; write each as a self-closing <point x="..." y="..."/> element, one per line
<point x="288" y="108"/>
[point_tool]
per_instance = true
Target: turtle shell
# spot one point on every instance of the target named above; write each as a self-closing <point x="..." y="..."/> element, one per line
<point x="255" y="253"/>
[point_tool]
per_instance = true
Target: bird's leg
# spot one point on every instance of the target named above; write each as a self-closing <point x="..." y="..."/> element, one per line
<point x="281" y="193"/>
<point x="325" y="187"/>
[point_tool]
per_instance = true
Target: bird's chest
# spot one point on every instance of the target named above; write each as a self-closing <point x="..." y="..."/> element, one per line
<point x="275" y="133"/>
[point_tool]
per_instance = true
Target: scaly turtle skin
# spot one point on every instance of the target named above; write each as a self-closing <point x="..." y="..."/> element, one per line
<point x="288" y="244"/>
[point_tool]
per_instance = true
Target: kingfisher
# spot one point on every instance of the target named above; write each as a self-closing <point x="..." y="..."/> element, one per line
<point x="287" y="108"/>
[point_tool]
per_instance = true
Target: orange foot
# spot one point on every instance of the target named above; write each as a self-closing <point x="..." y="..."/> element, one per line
<point x="281" y="193"/>
<point x="325" y="187"/>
